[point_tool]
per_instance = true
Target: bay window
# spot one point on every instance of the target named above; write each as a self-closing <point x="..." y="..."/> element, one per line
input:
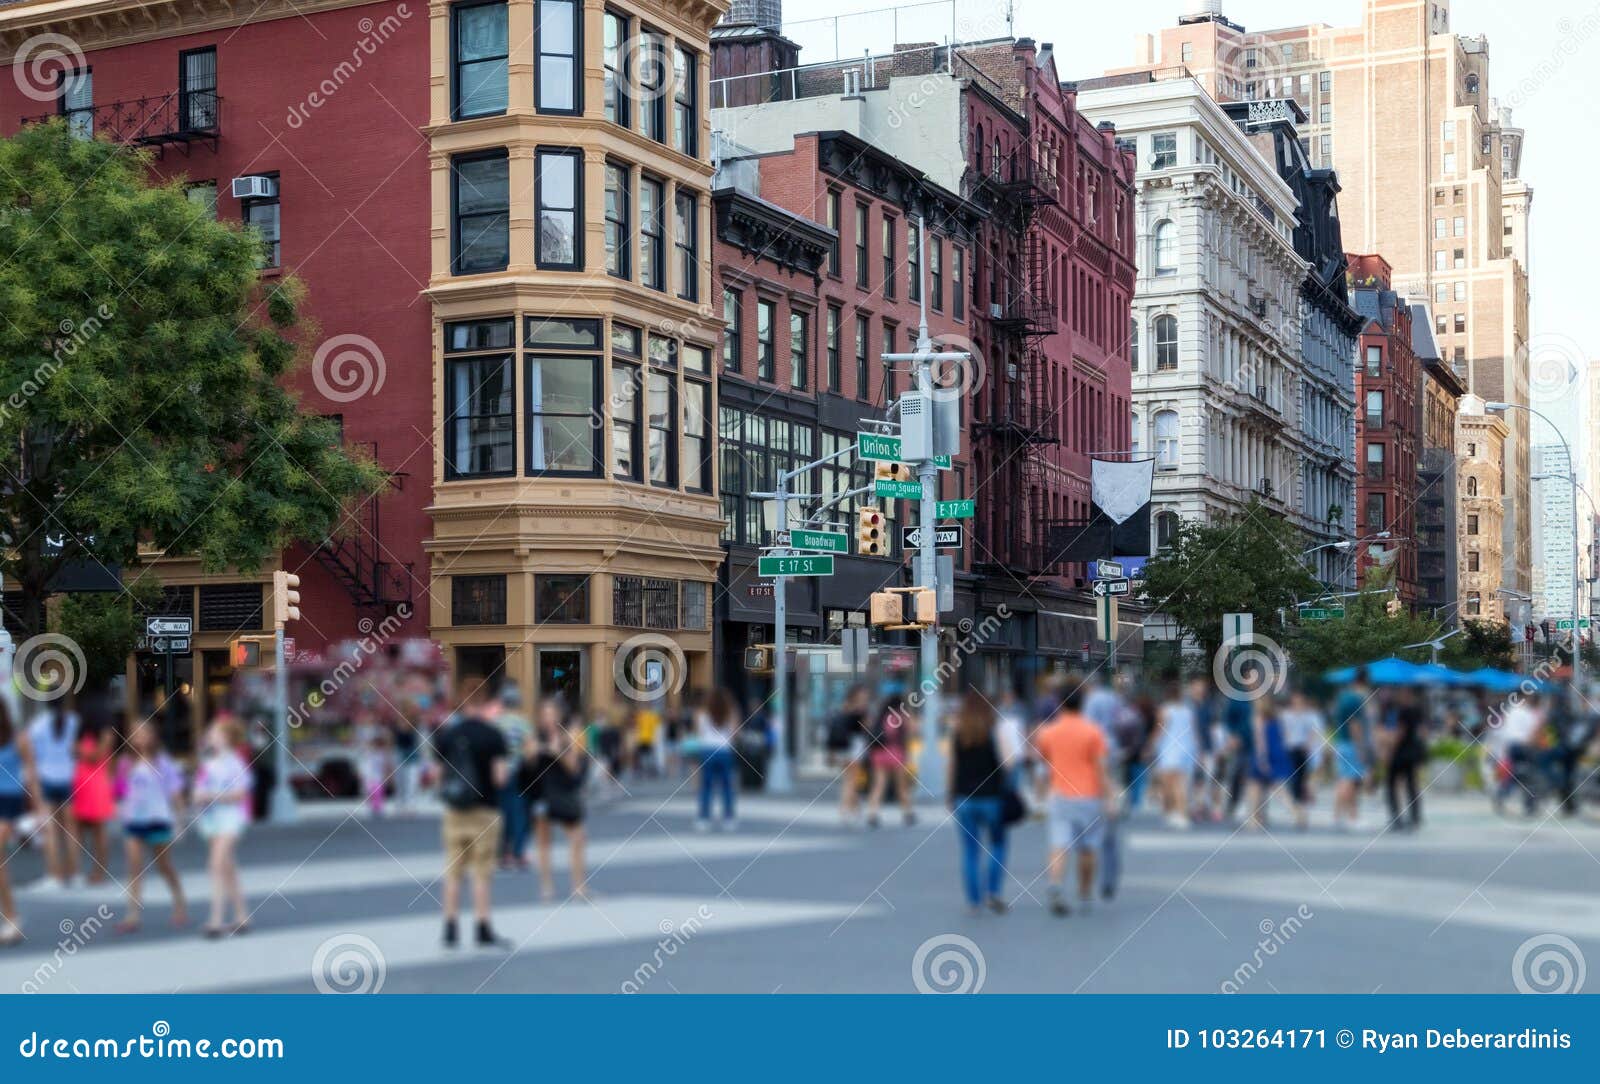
<point x="618" y="231"/>
<point x="481" y="199"/>
<point x="478" y="55"/>
<point x="556" y="38"/>
<point x="652" y="258"/>
<point x="557" y="198"/>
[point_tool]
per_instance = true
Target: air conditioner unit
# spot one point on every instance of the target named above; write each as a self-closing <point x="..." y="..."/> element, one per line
<point x="254" y="187"/>
<point x="1261" y="392"/>
<point x="994" y="311"/>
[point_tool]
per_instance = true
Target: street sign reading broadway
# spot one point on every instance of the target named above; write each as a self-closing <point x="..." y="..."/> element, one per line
<point x="826" y="541"/>
<point x="795" y="566"/>
<point x="948" y="536"/>
<point x="886" y="449"/>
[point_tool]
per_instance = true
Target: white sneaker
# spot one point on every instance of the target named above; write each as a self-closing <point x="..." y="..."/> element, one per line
<point x="1178" y="822"/>
<point x="10" y="933"/>
<point x="702" y="826"/>
<point x="731" y="824"/>
<point x="44" y="886"/>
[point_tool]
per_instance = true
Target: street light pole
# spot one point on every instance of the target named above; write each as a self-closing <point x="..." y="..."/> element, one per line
<point x="1572" y="477"/>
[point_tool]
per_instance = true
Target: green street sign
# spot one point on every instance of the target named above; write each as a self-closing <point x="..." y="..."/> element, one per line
<point x="962" y="509"/>
<point x="1564" y="625"/>
<point x="826" y="541"/>
<point x="1337" y="613"/>
<point x="795" y="566"/>
<point x="886" y="449"/>
<point x="1322" y="613"/>
<point x="911" y="491"/>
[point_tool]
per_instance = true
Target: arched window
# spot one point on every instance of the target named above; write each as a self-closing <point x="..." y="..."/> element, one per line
<point x="1472" y="487"/>
<point x="1166" y="437"/>
<point x="1472" y="83"/>
<point x="1133" y="341"/>
<point x="1133" y="432"/>
<point x="1166" y="342"/>
<point x="995" y="165"/>
<point x="1166" y="248"/>
<point x="1166" y="529"/>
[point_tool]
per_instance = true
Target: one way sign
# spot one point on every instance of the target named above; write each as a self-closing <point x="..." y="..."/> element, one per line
<point x="947" y="537"/>
<point x="1103" y="588"/>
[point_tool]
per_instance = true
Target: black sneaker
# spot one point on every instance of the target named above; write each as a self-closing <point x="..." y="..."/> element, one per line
<point x="451" y="936"/>
<point x="1108" y="892"/>
<point x="487" y="939"/>
<point x="1058" y="906"/>
<point x="998" y="905"/>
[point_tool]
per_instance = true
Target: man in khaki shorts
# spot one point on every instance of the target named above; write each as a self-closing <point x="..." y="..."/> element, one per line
<point x="474" y="767"/>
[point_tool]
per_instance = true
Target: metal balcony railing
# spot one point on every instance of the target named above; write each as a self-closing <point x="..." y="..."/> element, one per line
<point x="177" y="119"/>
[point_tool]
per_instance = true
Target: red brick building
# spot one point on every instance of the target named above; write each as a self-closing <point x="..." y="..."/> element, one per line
<point x="219" y="93"/>
<point x="817" y="261"/>
<point x="1388" y="437"/>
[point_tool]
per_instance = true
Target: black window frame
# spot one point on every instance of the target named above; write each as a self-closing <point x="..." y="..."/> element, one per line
<point x="886" y="233"/>
<point x="863" y="351"/>
<point x="830" y="332"/>
<point x="575" y="57"/>
<point x="863" y="221"/>
<point x="651" y="56"/>
<point x="914" y="242"/>
<point x="686" y="241"/>
<point x="596" y="460"/>
<point x="456" y="112"/>
<point x="935" y="256"/>
<point x="494" y="597"/>
<point x="652" y="258"/>
<point x="704" y="439"/>
<point x="274" y="253"/>
<point x="958" y="269"/>
<point x="507" y="359"/>
<point x="800" y="364"/>
<point x="618" y="110"/>
<point x="85" y="128"/>
<point x="686" y="109"/>
<point x="671" y="429"/>
<point x="573" y="605"/>
<point x="732" y="334"/>
<point x="627" y="374"/>
<point x="834" y="214"/>
<point x="187" y="93"/>
<point x="575" y="156"/>
<point x="619" y="248"/>
<point x="456" y="162"/>
<point x="767" y="349"/>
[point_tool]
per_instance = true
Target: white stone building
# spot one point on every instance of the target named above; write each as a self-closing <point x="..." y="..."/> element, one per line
<point x="1216" y="309"/>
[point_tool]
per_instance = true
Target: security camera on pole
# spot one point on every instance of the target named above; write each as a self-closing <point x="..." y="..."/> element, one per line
<point x="930" y="430"/>
<point x="285" y="608"/>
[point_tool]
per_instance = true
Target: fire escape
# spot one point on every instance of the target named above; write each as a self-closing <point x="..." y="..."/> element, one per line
<point x="180" y="119"/>
<point x="1021" y="418"/>
<point x="355" y="555"/>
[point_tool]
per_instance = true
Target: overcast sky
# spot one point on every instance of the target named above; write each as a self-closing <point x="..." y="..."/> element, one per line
<point x="1543" y="42"/>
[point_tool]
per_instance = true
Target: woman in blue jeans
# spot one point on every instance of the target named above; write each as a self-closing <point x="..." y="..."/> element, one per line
<point x="978" y="787"/>
<point x="715" y="725"/>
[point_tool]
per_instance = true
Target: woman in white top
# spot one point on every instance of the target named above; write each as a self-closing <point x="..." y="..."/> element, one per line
<point x="150" y="789"/>
<point x="53" y="735"/>
<point x="222" y="797"/>
<point x="1177" y="744"/>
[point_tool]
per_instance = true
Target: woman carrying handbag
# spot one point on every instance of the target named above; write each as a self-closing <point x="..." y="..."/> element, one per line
<point x="978" y="785"/>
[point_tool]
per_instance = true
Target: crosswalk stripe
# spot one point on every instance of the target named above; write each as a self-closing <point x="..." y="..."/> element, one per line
<point x="335" y="874"/>
<point x="1427" y="899"/>
<point x="345" y="955"/>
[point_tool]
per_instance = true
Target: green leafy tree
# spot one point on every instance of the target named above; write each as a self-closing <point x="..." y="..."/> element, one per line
<point x="1248" y="563"/>
<point x="1482" y="643"/>
<point x="1367" y="632"/>
<point x="106" y="626"/>
<point x="142" y="361"/>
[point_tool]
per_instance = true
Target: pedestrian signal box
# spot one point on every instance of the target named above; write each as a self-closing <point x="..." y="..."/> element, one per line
<point x="904" y="608"/>
<point x="250" y="652"/>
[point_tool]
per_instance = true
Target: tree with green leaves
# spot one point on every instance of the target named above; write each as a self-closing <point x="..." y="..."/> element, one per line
<point x="1480" y="644"/>
<point x="1249" y="563"/>
<point x="1367" y="632"/>
<point x="143" y="407"/>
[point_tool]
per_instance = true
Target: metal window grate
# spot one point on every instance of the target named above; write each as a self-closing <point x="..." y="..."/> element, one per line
<point x="230" y="607"/>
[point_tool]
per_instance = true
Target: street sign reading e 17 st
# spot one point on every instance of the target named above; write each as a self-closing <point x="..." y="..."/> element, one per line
<point x="962" y="509"/>
<point x="888" y="487"/>
<point x="826" y="541"/>
<point x="886" y="449"/>
<point x="795" y="566"/>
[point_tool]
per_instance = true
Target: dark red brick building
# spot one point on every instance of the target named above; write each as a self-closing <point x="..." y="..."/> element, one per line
<point x="1388" y="381"/>
<point x="218" y="94"/>
<point x="810" y="249"/>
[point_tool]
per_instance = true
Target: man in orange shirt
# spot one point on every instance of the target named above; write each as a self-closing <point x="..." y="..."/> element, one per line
<point x="1079" y="792"/>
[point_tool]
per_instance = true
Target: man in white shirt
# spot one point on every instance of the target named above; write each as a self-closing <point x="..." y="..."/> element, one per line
<point x="1519" y="737"/>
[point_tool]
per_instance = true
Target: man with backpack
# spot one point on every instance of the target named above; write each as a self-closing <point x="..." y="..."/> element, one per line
<point x="474" y="767"/>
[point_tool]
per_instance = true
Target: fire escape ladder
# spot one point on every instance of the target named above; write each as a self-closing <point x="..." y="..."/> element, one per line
<point x="354" y="555"/>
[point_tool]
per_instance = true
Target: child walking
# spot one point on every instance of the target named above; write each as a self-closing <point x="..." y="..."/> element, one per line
<point x="222" y="796"/>
<point x="150" y="791"/>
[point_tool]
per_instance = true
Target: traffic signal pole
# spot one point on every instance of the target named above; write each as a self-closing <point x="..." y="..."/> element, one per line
<point x="285" y="608"/>
<point x="930" y="766"/>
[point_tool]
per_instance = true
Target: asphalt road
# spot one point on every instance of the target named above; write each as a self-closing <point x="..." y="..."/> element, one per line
<point x="792" y="901"/>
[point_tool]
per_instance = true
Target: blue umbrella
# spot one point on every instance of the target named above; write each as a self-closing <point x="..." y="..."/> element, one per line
<point x="1390" y="671"/>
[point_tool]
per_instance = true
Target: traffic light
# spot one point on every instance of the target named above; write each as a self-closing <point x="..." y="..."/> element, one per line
<point x="285" y="598"/>
<point x="758" y="658"/>
<point x="1393" y="607"/>
<point x="870" y="538"/>
<point x="245" y="652"/>
<point x="894" y="472"/>
<point x="904" y="608"/>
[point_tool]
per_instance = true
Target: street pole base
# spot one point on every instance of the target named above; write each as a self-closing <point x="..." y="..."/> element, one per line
<point x="780" y="778"/>
<point x="285" y="807"/>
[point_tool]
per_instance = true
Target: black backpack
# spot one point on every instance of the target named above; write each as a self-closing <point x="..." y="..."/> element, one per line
<point x="462" y="785"/>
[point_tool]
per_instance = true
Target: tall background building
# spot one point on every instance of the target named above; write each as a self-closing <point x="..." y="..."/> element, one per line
<point x="1399" y="105"/>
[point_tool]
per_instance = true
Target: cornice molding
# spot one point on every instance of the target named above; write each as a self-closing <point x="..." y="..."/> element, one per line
<point x="99" y="24"/>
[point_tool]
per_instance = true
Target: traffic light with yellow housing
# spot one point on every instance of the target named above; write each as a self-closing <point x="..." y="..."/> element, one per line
<point x="871" y="536"/>
<point x="904" y="608"/>
<point x="285" y="598"/>
<point x="895" y="472"/>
